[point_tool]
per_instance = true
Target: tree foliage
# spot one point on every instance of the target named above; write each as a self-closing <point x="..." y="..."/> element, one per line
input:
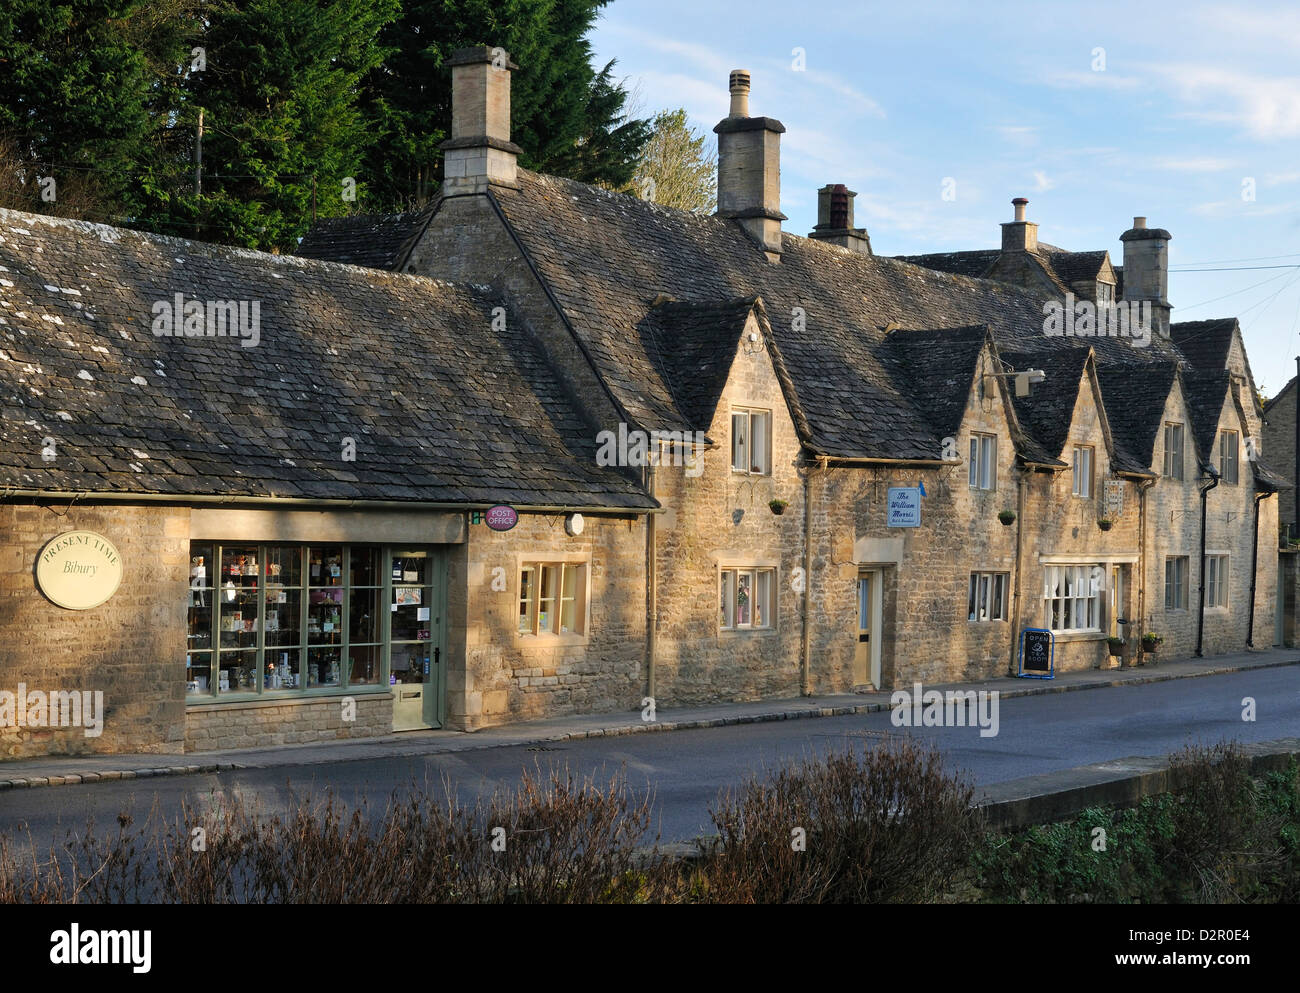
<point x="297" y="99"/>
<point x="677" y="168"/>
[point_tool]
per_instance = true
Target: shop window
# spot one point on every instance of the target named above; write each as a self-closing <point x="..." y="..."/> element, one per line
<point x="987" y="598"/>
<point x="552" y="598"/>
<point x="1176" y="582"/>
<point x="1072" y="597"/>
<point x="751" y="432"/>
<point x="282" y="618"/>
<point x="748" y="599"/>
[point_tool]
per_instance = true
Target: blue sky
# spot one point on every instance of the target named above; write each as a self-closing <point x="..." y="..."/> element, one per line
<point x="1193" y="104"/>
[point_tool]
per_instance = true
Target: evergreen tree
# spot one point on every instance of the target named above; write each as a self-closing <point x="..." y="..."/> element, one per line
<point x="567" y="118"/>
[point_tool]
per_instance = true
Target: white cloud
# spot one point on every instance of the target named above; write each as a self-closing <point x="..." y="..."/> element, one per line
<point x="1073" y="79"/>
<point x="1041" y="183"/>
<point x="1265" y="107"/>
<point x="1195" y="164"/>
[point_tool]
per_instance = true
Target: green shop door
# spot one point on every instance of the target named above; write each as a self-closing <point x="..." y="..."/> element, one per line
<point x="417" y="607"/>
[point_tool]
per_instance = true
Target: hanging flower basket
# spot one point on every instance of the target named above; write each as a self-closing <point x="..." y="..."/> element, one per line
<point x="1007" y="517"/>
<point x="1105" y="524"/>
<point x="778" y="506"/>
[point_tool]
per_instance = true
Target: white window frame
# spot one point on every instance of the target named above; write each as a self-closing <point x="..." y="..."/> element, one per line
<point x="1229" y="456"/>
<point x="1173" y="467"/>
<point x="982" y="473"/>
<point x="748" y="423"/>
<point x="1084" y="475"/>
<point x="757" y="580"/>
<point x="985" y="589"/>
<point x="1218" y="572"/>
<point x="538" y="569"/>
<point x="1072" y="595"/>
<point x="1176" y="584"/>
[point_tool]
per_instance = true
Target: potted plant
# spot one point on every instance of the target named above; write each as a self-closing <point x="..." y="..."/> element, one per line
<point x="1151" y="642"/>
<point x="1007" y="517"/>
<point x="1105" y="524"/>
<point x="1116" y="646"/>
<point x="778" y="506"/>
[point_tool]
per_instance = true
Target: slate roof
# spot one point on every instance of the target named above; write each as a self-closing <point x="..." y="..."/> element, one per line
<point x="1135" y="403"/>
<point x="1205" y="344"/>
<point x="379" y="241"/>
<point x="1046" y="414"/>
<point x="1061" y="266"/>
<point x="607" y="256"/>
<point x="1206" y="393"/>
<point x="439" y="409"/>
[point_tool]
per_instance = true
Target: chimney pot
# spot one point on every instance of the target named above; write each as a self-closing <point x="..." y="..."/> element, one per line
<point x="749" y="169"/>
<point x="835" y="220"/>
<point x="739" y="86"/>
<point x="1020" y="235"/>
<point x="1020" y="203"/>
<point x="1140" y="223"/>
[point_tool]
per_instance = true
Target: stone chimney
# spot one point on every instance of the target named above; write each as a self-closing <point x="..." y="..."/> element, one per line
<point x="835" y="220"/>
<point x="749" y="169"/>
<point x="1020" y="235"/>
<point x="1146" y="270"/>
<point x="479" y="152"/>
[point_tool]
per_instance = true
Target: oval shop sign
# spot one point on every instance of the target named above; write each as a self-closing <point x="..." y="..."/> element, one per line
<point x="501" y="517"/>
<point x="78" y="570"/>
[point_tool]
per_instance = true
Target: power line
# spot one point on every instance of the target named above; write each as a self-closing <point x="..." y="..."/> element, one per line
<point x="1243" y="268"/>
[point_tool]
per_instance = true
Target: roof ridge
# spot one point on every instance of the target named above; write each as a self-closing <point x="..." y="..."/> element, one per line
<point x="110" y="234"/>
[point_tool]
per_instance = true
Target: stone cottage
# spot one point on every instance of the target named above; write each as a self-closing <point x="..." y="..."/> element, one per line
<point x="541" y="448"/>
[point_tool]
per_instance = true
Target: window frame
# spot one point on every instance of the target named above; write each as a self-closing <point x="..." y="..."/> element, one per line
<point x="1217" y="589"/>
<point x="1230" y="456"/>
<point x="749" y="416"/>
<point x="1067" y="602"/>
<point x="262" y="649"/>
<point x="1178" y="585"/>
<point x="982" y="469"/>
<point x="1090" y="452"/>
<point x="983" y="587"/>
<point x="730" y="577"/>
<point x="537" y="568"/>
<point x="1174" y="466"/>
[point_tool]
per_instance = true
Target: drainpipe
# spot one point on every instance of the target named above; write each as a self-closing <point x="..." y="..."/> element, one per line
<point x="1143" y="487"/>
<point x="1254" y="564"/>
<point x="1015" y="596"/>
<point x="805" y="674"/>
<point x="651" y="589"/>
<point x="1295" y="520"/>
<point x="1200" y="611"/>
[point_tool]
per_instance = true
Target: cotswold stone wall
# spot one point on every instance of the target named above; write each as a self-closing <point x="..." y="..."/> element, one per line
<point x="132" y="648"/>
<point x="259" y="723"/>
<point x="722" y="519"/>
<point x="495" y="675"/>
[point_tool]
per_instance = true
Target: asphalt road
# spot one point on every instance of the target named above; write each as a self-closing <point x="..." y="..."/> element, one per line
<point x="686" y="769"/>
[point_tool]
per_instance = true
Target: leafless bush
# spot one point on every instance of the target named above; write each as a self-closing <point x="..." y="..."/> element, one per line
<point x="885" y="826"/>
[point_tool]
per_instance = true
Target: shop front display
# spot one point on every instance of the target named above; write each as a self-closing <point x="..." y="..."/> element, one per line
<point x="292" y="619"/>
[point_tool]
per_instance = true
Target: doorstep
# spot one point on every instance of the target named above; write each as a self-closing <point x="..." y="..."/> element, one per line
<point x="81" y="769"/>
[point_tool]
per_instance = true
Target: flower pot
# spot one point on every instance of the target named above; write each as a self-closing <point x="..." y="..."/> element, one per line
<point x="778" y="507"/>
<point x="1007" y="518"/>
<point x="1105" y="525"/>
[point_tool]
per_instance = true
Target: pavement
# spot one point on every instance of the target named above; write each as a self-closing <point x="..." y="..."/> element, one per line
<point x="83" y="769"/>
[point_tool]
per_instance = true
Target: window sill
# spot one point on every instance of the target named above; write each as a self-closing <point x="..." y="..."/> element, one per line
<point x="1065" y="637"/>
<point x="550" y="640"/>
<point x="745" y="632"/>
<point x="986" y="620"/>
<point x="753" y="475"/>
<point x="278" y="698"/>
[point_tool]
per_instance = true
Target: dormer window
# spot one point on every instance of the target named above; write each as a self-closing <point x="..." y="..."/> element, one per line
<point x="1105" y="294"/>
<point x="1173" y="467"/>
<point x="983" y="461"/>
